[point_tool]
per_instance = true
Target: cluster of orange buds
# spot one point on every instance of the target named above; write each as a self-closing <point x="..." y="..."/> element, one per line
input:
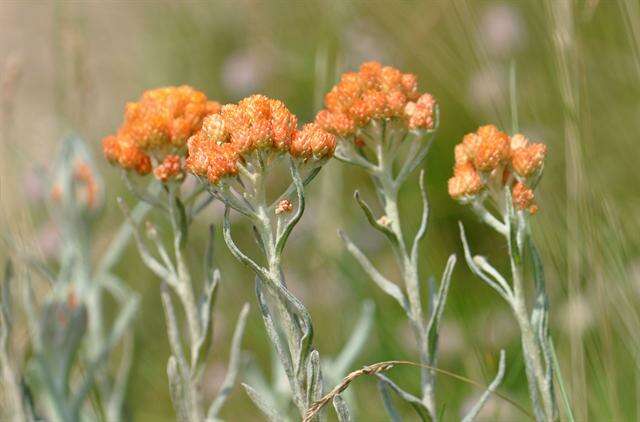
<point x="489" y="155"/>
<point x="85" y="185"/>
<point x="156" y="128"/>
<point x="375" y="92"/>
<point x="256" y="123"/>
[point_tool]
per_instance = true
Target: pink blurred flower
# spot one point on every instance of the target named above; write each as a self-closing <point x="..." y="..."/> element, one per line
<point x="245" y="71"/>
<point x="502" y="29"/>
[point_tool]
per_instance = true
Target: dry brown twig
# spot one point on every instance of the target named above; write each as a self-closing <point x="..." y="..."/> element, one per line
<point x="380" y="367"/>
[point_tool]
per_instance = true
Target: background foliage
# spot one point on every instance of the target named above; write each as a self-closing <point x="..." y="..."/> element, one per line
<point x="72" y="66"/>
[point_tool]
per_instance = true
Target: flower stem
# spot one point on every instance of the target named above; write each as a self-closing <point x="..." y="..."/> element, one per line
<point x="388" y="192"/>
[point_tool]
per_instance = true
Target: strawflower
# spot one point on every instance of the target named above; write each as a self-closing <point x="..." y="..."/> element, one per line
<point x="255" y="127"/>
<point x="234" y="154"/>
<point x="496" y="175"/>
<point x="385" y="125"/>
<point x="488" y="160"/>
<point x="157" y="126"/>
<point x="153" y="138"/>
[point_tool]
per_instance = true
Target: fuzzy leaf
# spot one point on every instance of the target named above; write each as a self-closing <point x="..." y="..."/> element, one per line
<point x="205" y="311"/>
<point x="433" y="327"/>
<point x="387" y="286"/>
<point x="176" y="389"/>
<point x="387" y="401"/>
<point x="314" y="377"/>
<point x="415" y="402"/>
<point x="297" y="182"/>
<point x="262" y="404"/>
<point x="234" y="364"/>
<point x="235" y="251"/>
<point x="280" y="346"/>
<point x="476" y="270"/>
<point x="422" y="230"/>
<point x="341" y="409"/>
<point x="374" y="223"/>
<point x="62" y="327"/>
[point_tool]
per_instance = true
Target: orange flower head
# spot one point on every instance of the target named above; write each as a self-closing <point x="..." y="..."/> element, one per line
<point x="518" y="141"/>
<point x="523" y="198"/>
<point x="86" y="188"/>
<point x="489" y="149"/>
<point x="461" y="154"/>
<point x="375" y="92"/>
<point x="256" y="123"/>
<point x="313" y="143"/>
<point x="421" y="113"/>
<point x="156" y="126"/>
<point x="526" y="161"/>
<point x="493" y="148"/>
<point x="465" y="182"/>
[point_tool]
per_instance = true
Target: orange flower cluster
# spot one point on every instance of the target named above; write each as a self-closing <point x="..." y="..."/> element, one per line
<point x="491" y="154"/>
<point x="156" y="126"/>
<point x="255" y="123"/>
<point x="85" y="185"/>
<point x="170" y="167"/>
<point x="375" y="92"/>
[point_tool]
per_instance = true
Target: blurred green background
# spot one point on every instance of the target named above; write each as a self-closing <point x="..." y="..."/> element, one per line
<point x="71" y="66"/>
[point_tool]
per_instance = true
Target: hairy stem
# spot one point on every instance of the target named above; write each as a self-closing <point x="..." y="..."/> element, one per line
<point x="388" y="191"/>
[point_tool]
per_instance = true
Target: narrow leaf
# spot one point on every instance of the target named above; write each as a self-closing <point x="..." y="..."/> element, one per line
<point x="433" y="328"/>
<point x="387" y="401"/>
<point x="373" y="222"/>
<point x="473" y="413"/>
<point x="415" y="402"/>
<point x="176" y="390"/>
<point x="387" y="286"/>
<point x="297" y="182"/>
<point x="262" y="404"/>
<point x="234" y="364"/>
<point x="476" y="270"/>
<point x="342" y="409"/>
<point x="314" y="377"/>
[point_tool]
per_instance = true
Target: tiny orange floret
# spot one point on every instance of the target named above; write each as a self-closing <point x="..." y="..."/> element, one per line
<point x="523" y="198"/>
<point x="528" y="160"/>
<point x="169" y="168"/>
<point x="465" y="181"/>
<point x="493" y="148"/>
<point x="313" y="143"/>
